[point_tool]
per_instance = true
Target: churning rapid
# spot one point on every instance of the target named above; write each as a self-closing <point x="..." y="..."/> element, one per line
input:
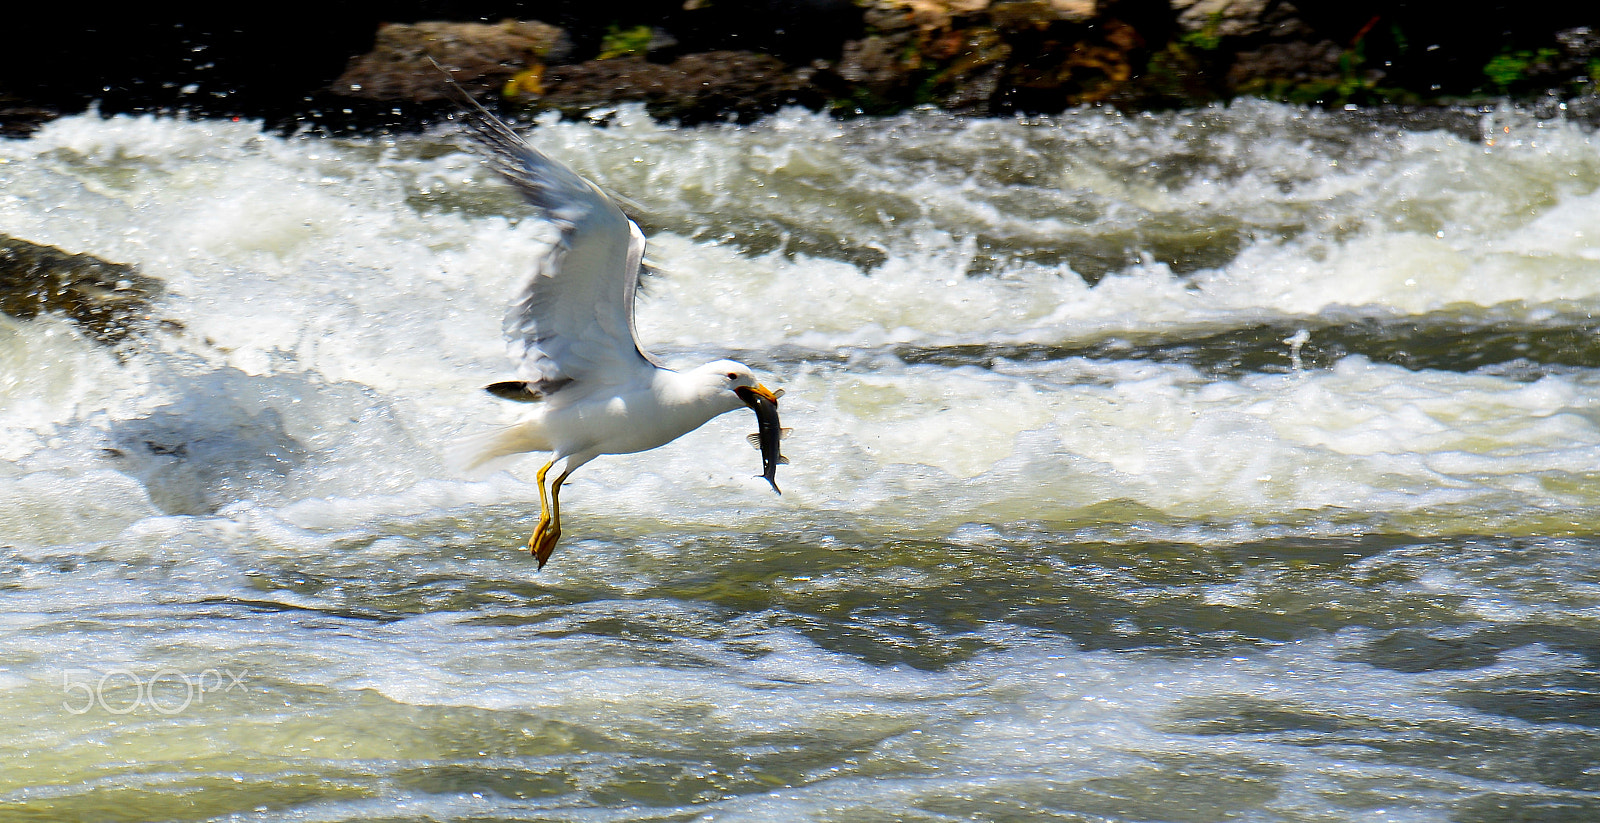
<point x="1228" y="464"/>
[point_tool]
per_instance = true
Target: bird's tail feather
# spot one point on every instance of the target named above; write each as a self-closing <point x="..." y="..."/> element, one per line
<point x="472" y="453"/>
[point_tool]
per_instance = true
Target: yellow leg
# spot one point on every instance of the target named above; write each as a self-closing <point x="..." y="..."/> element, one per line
<point x="545" y="535"/>
<point x="544" y="516"/>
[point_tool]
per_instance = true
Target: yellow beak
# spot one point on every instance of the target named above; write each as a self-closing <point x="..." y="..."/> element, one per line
<point x="752" y="394"/>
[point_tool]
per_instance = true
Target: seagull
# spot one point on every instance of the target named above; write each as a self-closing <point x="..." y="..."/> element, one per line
<point x="569" y="330"/>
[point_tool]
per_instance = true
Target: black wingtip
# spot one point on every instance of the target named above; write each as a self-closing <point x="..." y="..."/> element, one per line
<point x="517" y="390"/>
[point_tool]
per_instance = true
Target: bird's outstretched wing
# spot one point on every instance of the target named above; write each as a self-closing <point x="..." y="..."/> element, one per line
<point x="573" y="319"/>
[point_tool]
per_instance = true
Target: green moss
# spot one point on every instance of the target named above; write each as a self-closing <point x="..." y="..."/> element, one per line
<point x="1354" y="84"/>
<point x="1505" y="69"/>
<point x="1509" y="68"/>
<point x="1207" y="38"/>
<point x="1174" y="76"/>
<point x="621" y="42"/>
<point x="863" y="101"/>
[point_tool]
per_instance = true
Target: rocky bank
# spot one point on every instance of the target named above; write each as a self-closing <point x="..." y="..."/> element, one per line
<point x="353" y="66"/>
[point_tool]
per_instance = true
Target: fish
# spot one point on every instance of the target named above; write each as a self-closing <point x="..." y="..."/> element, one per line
<point x="767" y="435"/>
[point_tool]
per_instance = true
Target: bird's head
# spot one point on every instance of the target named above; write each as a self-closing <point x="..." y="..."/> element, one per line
<point x="729" y="384"/>
<point x="733" y="381"/>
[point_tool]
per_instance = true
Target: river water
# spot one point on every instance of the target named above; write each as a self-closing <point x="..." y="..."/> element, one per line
<point x="1236" y="464"/>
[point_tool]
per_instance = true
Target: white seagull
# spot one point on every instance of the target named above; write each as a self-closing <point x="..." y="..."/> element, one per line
<point x="570" y="332"/>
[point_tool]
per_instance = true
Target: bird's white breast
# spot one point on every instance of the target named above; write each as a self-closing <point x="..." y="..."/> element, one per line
<point x="636" y="417"/>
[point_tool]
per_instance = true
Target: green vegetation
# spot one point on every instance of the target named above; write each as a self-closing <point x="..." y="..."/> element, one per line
<point x="1207" y="38"/>
<point x="1356" y="81"/>
<point x="1509" y="68"/>
<point x="863" y="100"/>
<point x="621" y="42"/>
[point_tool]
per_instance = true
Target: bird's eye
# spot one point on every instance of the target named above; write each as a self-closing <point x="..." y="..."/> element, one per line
<point x="733" y="375"/>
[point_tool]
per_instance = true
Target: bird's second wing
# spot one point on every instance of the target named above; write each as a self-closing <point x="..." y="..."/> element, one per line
<point x="573" y="318"/>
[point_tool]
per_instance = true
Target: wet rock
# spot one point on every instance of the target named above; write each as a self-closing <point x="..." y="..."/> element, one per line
<point x="107" y="300"/>
<point x="1073" y="68"/>
<point x="482" y="58"/>
<point x="1295" y="63"/>
<point x="1579" y="42"/>
<point x="944" y="52"/>
<point x="920" y="15"/>
<point x="20" y="117"/>
<point x="878" y="67"/>
<point x="1076" y="11"/>
<point x="693" y="88"/>
<point x="1239" y="18"/>
<point x="972" y="69"/>
<point x="1266" y="49"/>
<point x="850" y="56"/>
<point x="1017" y="15"/>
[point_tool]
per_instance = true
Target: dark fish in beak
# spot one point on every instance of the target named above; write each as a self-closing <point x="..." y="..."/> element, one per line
<point x="768" y="432"/>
